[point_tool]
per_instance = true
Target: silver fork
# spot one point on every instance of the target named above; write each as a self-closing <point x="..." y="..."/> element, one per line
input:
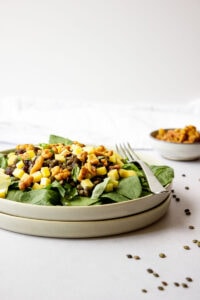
<point x="128" y="152"/>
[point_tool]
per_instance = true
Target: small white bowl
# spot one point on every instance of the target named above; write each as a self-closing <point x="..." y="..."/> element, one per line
<point x="175" y="151"/>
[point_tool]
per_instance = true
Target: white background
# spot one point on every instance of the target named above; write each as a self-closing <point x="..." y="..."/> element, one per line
<point x="107" y="50"/>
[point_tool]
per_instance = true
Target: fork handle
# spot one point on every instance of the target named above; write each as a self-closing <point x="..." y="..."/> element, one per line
<point x="154" y="184"/>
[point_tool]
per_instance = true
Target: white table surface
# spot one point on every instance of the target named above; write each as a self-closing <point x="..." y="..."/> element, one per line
<point x="35" y="268"/>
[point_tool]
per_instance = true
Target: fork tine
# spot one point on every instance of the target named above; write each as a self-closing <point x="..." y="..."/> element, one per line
<point x="122" y="148"/>
<point x="133" y="154"/>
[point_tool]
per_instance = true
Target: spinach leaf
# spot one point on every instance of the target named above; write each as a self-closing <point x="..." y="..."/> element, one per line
<point x="99" y="188"/>
<point x="55" y="139"/>
<point x="114" y="196"/>
<point x="164" y="174"/>
<point x="56" y="185"/>
<point x="81" y="201"/>
<point x="75" y="172"/>
<point x="130" y="187"/>
<point x="39" y="197"/>
<point x="3" y="161"/>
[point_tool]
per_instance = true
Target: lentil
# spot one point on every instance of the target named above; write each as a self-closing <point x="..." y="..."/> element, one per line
<point x="195" y="241"/>
<point x="184" y="285"/>
<point x="144" y="290"/>
<point x="156" y="274"/>
<point x="186" y="247"/>
<point x="189" y="279"/>
<point x="162" y="255"/>
<point x="176" y="284"/>
<point x="129" y="256"/>
<point x="149" y="270"/>
<point x="191" y="227"/>
<point x="198" y="243"/>
<point x="164" y="283"/>
<point x="187" y="187"/>
<point x="136" y="257"/>
<point x="161" y="288"/>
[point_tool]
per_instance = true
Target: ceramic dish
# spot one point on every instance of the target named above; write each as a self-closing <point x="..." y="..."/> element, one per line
<point x="175" y="151"/>
<point x="83" y="229"/>
<point x="82" y="213"/>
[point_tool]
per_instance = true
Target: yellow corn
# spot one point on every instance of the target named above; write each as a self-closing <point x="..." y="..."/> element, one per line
<point x="101" y="171"/>
<point x="45" y="172"/>
<point x="87" y="183"/>
<point x="20" y="164"/>
<point x="60" y="157"/>
<point x="45" y="181"/>
<point x="18" y="173"/>
<point x="36" y="186"/>
<point x="36" y="176"/>
<point x="30" y="153"/>
<point x="3" y="193"/>
<point x="12" y="159"/>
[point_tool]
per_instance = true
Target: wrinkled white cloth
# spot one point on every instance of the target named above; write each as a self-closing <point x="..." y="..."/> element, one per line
<point x="33" y="120"/>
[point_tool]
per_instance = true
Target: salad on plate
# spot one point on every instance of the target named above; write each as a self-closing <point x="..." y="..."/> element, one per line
<point x="69" y="173"/>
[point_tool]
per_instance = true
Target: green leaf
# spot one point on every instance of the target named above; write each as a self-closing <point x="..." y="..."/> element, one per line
<point x="114" y="196"/>
<point x="81" y="201"/>
<point x="130" y="187"/>
<point x="75" y="172"/>
<point x="164" y="174"/>
<point x="39" y="197"/>
<point x="3" y="161"/>
<point x="99" y="188"/>
<point x="55" y="139"/>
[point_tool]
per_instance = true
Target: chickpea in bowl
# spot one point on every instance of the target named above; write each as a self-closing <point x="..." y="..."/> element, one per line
<point x="177" y="143"/>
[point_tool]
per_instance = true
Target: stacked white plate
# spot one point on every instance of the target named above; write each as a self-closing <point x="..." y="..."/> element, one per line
<point x="83" y="221"/>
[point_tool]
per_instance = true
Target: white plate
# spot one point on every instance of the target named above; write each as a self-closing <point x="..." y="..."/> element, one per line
<point x="82" y="213"/>
<point x="83" y="229"/>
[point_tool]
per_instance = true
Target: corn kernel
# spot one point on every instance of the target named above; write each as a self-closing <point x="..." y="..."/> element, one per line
<point x="3" y="193"/>
<point x="101" y="171"/>
<point x="30" y="153"/>
<point x="2" y="171"/>
<point x="45" y="181"/>
<point x="36" y="186"/>
<point x="12" y="159"/>
<point x="86" y="183"/>
<point x="20" y="164"/>
<point x="89" y="149"/>
<point x="18" y="173"/>
<point x="126" y="173"/>
<point x="36" y="176"/>
<point x="113" y="174"/>
<point x="60" y="157"/>
<point x="76" y="149"/>
<point x="45" y="172"/>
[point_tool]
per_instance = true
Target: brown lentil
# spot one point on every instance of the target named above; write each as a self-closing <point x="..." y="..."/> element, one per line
<point x="129" y="256"/>
<point x="191" y="227"/>
<point x="176" y="284"/>
<point x="189" y="279"/>
<point x="156" y="274"/>
<point x="164" y="283"/>
<point x="187" y="187"/>
<point x="186" y="247"/>
<point x="150" y="270"/>
<point x="195" y="241"/>
<point x="198" y="243"/>
<point x="144" y="290"/>
<point x="162" y="255"/>
<point x="184" y="285"/>
<point x="136" y="257"/>
<point x="161" y="288"/>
